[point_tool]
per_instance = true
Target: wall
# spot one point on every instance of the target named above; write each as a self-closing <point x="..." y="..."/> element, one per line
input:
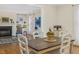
<point x="65" y="18"/>
<point x="11" y="15"/>
<point x="57" y="14"/>
<point x="48" y="14"/>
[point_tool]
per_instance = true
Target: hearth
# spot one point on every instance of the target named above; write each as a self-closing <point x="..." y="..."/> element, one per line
<point x="5" y="31"/>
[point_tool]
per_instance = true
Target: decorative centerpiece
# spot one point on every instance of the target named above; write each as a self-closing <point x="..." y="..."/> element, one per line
<point x="57" y="27"/>
<point x="50" y="36"/>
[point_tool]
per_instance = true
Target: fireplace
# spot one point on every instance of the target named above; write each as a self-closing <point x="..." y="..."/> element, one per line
<point x="5" y="31"/>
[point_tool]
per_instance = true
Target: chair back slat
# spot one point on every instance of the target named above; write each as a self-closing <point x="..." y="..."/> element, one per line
<point x="65" y="43"/>
<point x="23" y="44"/>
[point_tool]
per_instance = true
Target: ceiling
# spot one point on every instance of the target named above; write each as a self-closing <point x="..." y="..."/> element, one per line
<point x="19" y="8"/>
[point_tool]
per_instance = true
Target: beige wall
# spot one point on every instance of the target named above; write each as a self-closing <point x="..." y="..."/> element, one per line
<point x="65" y="17"/>
<point x="57" y="14"/>
<point x="48" y="14"/>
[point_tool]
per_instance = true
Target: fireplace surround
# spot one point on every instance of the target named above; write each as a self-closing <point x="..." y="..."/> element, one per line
<point x="5" y="31"/>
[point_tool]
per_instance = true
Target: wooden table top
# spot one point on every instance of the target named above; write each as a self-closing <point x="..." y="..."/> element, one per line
<point x="41" y="44"/>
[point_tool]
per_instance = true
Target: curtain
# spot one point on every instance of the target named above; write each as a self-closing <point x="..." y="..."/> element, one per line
<point x="76" y="23"/>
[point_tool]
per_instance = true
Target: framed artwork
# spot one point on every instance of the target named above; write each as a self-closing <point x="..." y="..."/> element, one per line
<point x="5" y="19"/>
<point x="37" y="22"/>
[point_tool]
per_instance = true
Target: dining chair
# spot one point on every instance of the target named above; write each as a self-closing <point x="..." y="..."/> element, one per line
<point x="65" y="43"/>
<point x="35" y="35"/>
<point x="23" y="44"/>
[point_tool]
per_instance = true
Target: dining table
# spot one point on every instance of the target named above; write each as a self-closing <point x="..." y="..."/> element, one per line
<point x="41" y="46"/>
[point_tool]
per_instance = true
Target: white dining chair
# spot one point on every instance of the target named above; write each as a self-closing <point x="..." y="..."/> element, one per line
<point x="65" y="43"/>
<point x="23" y="44"/>
<point x="35" y="35"/>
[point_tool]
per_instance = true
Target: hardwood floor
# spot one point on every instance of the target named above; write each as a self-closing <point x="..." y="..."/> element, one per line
<point x="13" y="49"/>
<point x="9" y="49"/>
<point x="75" y="50"/>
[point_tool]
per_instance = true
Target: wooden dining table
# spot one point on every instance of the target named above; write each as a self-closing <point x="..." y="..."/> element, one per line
<point x="40" y="46"/>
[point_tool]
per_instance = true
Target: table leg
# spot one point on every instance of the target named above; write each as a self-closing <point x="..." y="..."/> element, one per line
<point x="71" y="45"/>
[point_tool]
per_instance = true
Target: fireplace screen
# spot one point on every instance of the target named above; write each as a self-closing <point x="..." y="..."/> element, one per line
<point x="5" y="31"/>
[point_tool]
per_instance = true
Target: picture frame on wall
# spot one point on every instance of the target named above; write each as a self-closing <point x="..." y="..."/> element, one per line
<point x="38" y="22"/>
<point x="5" y="19"/>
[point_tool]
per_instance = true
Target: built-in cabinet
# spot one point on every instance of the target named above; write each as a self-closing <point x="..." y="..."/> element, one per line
<point x="22" y="24"/>
<point x="26" y="23"/>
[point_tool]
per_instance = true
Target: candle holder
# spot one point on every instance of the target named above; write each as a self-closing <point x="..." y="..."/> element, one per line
<point x="57" y="27"/>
